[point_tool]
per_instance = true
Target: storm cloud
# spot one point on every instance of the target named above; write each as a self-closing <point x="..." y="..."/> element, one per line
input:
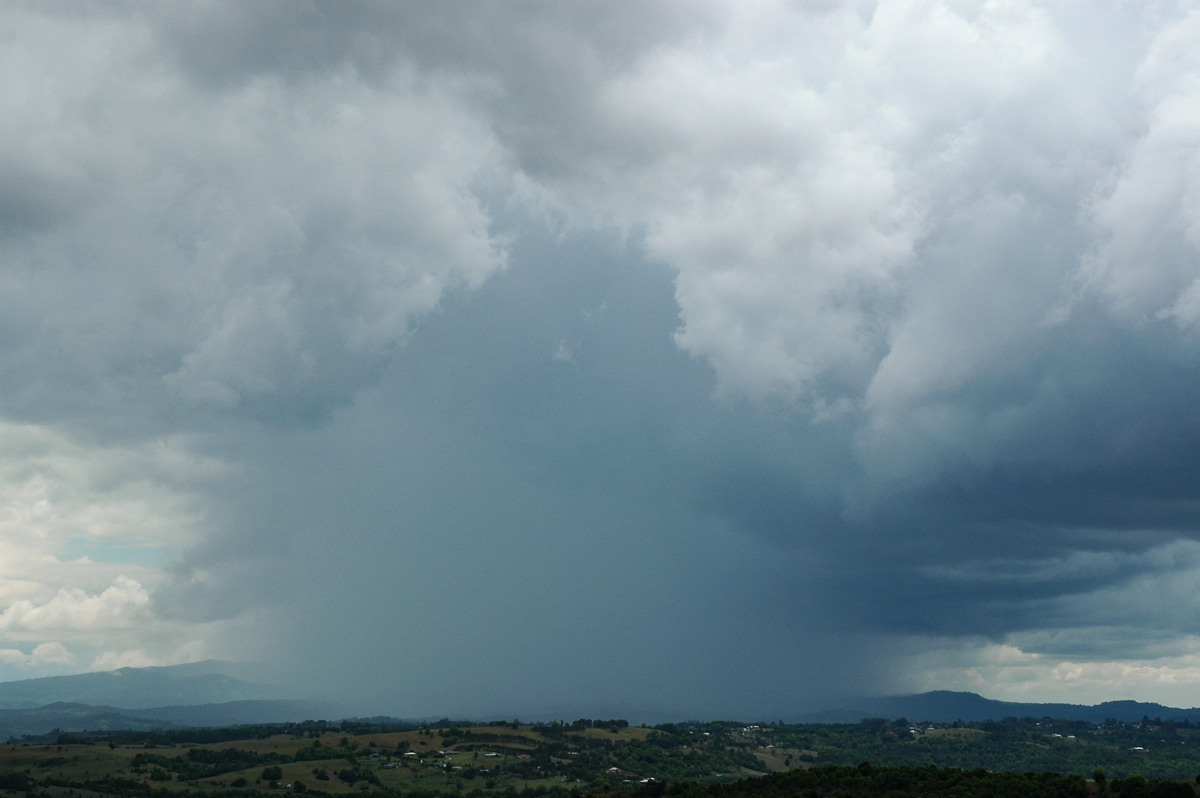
<point x="667" y="359"/>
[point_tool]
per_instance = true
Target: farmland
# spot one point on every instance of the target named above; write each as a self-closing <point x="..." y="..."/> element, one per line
<point x="508" y="758"/>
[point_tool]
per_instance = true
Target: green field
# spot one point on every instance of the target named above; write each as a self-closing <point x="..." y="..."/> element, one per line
<point x="561" y="759"/>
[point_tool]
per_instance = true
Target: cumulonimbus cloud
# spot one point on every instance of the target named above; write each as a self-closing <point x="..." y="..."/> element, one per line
<point x="947" y="250"/>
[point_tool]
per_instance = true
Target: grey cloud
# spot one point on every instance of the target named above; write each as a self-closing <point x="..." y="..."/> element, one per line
<point x="1098" y="643"/>
<point x="239" y="246"/>
<point x="868" y="312"/>
<point x="904" y="274"/>
<point x="34" y="199"/>
<point x="520" y="532"/>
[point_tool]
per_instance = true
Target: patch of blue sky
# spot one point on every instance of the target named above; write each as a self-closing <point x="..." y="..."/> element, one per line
<point x="116" y="552"/>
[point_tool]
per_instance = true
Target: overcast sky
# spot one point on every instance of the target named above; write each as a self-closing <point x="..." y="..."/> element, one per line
<point x="649" y="359"/>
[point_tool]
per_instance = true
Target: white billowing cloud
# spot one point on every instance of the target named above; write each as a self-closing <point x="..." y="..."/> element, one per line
<point x="888" y="226"/>
<point x="132" y="658"/>
<point x="119" y="606"/>
<point x="790" y="163"/>
<point x="13" y="656"/>
<point x="777" y="287"/>
<point x="271" y="240"/>
<point x="1147" y="266"/>
<point x="61" y="499"/>
<point x="814" y="176"/>
<point x="1007" y="672"/>
<point x="770" y="195"/>
<point x="49" y="654"/>
<point x="54" y="489"/>
<point x="87" y="528"/>
<point x="871" y="212"/>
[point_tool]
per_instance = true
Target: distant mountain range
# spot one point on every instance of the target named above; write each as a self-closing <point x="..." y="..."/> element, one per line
<point x="944" y="706"/>
<point x="212" y="694"/>
<point x="196" y="694"/>
<point x="207" y="682"/>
